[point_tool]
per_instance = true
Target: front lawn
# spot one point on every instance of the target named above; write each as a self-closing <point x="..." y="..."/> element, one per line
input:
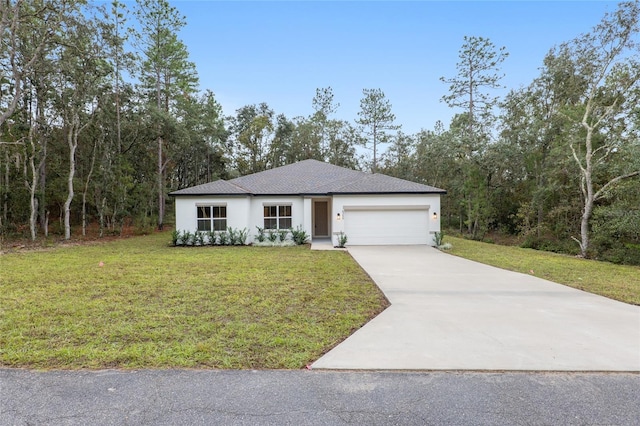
<point x="619" y="282"/>
<point x="138" y="303"/>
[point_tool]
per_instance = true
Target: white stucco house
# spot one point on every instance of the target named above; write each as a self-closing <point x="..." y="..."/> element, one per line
<point x="323" y="199"/>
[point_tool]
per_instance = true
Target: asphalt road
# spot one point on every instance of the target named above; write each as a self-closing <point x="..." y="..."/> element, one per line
<point x="184" y="397"/>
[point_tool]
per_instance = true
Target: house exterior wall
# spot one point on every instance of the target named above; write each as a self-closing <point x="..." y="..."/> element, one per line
<point x="341" y="204"/>
<point x="238" y="209"/>
<point x="256" y="215"/>
<point x="307" y="223"/>
<point x="242" y="212"/>
<point x="247" y="212"/>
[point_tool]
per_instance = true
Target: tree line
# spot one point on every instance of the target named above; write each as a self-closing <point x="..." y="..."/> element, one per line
<point x="101" y="115"/>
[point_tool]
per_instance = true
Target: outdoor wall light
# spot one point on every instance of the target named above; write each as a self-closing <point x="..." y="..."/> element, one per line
<point x="338" y="217"/>
<point x="435" y="216"/>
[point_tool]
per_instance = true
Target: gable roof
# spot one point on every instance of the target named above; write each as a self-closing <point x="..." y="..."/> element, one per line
<point x="310" y="177"/>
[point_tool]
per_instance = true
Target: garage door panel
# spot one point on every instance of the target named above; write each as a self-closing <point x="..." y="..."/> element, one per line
<point x="388" y="227"/>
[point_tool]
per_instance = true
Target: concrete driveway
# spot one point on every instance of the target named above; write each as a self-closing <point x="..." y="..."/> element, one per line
<point x="448" y="313"/>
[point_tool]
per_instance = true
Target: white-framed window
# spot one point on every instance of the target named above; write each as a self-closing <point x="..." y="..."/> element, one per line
<point x="277" y="217"/>
<point x="212" y="218"/>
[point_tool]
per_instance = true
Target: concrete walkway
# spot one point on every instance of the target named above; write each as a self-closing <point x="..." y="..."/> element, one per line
<point x="449" y="313"/>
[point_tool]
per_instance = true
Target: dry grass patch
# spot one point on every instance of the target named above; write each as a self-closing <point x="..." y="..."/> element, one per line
<point x="155" y="306"/>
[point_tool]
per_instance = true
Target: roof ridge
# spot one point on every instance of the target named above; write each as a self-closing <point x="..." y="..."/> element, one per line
<point x="237" y="186"/>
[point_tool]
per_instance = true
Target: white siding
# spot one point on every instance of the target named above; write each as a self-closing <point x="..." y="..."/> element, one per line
<point x="371" y="219"/>
<point x="186" y="214"/>
<point x="387" y="219"/>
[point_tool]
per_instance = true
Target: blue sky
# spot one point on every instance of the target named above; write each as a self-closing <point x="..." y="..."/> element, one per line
<point x="280" y="52"/>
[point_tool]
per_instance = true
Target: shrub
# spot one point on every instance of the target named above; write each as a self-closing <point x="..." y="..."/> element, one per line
<point x="233" y="236"/>
<point x="299" y="235"/>
<point x="187" y="238"/>
<point x="242" y="236"/>
<point x="342" y="239"/>
<point x="211" y="238"/>
<point x="198" y="238"/>
<point x="260" y="237"/>
<point x="223" y="238"/>
<point x="175" y="237"/>
<point x="438" y="238"/>
<point x="273" y="236"/>
<point x="282" y="234"/>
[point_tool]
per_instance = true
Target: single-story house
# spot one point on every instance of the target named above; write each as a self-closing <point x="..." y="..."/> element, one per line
<point x="323" y="199"/>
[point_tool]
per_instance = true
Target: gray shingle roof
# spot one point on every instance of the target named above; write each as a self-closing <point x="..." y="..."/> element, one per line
<point x="218" y="187"/>
<point x="310" y="177"/>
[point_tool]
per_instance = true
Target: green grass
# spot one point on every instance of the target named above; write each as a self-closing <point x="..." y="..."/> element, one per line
<point x="155" y="306"/>
<point x="617" y="282"/>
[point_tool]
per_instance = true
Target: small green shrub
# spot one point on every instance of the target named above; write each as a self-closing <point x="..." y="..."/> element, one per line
<point x="233" y="236"/>
<point x="223" y="238"/>
<point x="342" y="239"/>
<point x="211" y="238"/>
<point x="175" y="237"/>
<point x="260" y="237"/>
<point x="299" y="235"/>
<point x="438" y="238"/>
<point x="282" y="234"/>
<point x="273" y="236"/>
<point x="198" y="238"/>
<point x="187" y="238"/>
<point x="242" y="236"/>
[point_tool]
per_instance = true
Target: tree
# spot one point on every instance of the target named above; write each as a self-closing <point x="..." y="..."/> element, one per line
<point x="343" y="138"/>
<point x="29" y="33"/>
<point x="531" y="127"/>
<point x="252" y="129"/>
<point x="81" y="79"/>
<point x="478" y="69"/>
<point x="166" y="74"/>
<point x="376" y="118"/>
<point x="200" y="139"/>
<point x="399" y="159"/>
<point x="38" y="19"/>
<point x="324" y="106"/>
<point x="607" y="69"/>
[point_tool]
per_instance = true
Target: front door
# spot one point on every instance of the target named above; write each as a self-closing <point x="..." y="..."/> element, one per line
<point x="321" y="219"/>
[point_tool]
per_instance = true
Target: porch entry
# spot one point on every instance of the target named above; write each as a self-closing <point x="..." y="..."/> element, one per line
<point x="321" y="218"/>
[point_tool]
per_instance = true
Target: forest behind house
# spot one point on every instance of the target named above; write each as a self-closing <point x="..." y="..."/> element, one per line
<point x="102" y="115"/>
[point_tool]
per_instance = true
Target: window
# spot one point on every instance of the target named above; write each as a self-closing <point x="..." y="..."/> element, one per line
<point x="212" y="218"/>
<point x="277" y="217"/>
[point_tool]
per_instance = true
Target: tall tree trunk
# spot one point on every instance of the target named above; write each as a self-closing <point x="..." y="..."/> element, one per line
<point x="72" y="140"/>
<point x="5" y="196"/>
<point x="33" y="201"/>
<point x="160" y="186"/>
<point x="86" y="189"/>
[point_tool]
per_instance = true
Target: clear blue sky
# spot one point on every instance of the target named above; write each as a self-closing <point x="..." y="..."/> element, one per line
<point x="280" y="52"/>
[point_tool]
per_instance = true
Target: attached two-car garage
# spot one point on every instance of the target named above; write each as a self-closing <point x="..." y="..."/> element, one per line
<point x="387" y="225"/>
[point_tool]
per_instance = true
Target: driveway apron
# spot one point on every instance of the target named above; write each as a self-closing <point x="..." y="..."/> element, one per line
<point x="449" y="313"/>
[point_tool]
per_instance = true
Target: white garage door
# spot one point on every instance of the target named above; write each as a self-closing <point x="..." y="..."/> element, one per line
<point x="386" y="226"/>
